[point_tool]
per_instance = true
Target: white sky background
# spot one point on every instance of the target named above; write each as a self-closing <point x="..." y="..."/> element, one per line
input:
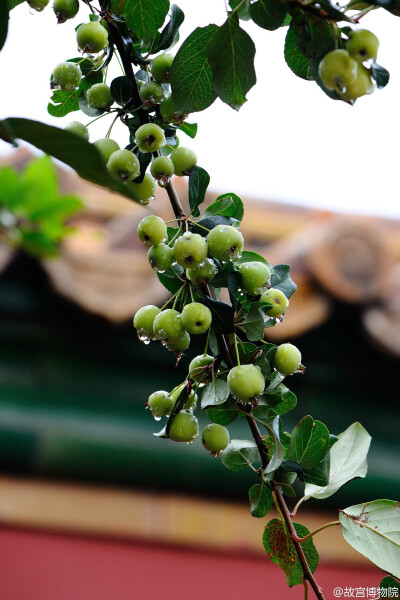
<point x="289" y="142"/>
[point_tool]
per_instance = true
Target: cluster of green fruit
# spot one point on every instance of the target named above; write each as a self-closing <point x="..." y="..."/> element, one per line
<point x="63" y="9"/>
<point x="343" y="71"/>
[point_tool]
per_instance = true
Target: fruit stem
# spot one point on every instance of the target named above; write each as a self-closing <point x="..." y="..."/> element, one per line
<point x="331" y="524"/>
<point x="236" y="349"/>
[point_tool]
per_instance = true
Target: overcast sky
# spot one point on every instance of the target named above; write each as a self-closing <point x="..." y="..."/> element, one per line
<point x="289" y="142"/>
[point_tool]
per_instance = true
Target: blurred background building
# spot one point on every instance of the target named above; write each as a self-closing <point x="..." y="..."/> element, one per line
<point x="89" y="498"/>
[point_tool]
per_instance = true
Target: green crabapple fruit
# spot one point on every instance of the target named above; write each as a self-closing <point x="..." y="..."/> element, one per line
<point x="254" y="277"/>
<point x="38" y="5"/>
<point x="278" y="300"/>
<point x="160" y="404"/>
<point x="144" y="191"/>
<point x="215" y="438"/>
<point x="204" y="273"/>
<point x="144" y="320"/>
<point x="190" y="249"/>
<point x="123" y="165"/>
<point x="160" y="257"/>
<point x="191" y="401"/>
<point x="363" y="45"/>
<point x="246" y="382"/>
<point x="184" y="160"/>
<point x="162" y="168"/>
<point x="338" y="70"/>
<point x="168" y="326"/>
<point x="67" y="76"/>
<point x="150" y="137"/>
<point x="184" y="427"/>
<point x="196" y="318"/>
<point x="151" y="93"/>
<point x="198" y="368"/>
<point x="65" y="9"/>
<point x="99" y="96"/>
<point x="152" y="230"/>
<point x="179" y="345"/>
<point x="161" y="66"/>
<point x="78" y="129"/>
<point x="169" y="113"/>
<point x="106" y="147"/>
<point x="362" y="86"/>
<point x="287" y="359"/>
<point x="225" y="243"/>
<point x="92" y="37"/>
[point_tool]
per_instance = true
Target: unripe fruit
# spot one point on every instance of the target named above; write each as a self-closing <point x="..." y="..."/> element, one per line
<point x="106" y="147"/>
<point x="287" y="359"/>
<point x="38" y="5"/>
<point x="168" y="326"/>
<point x="179" y="345"/>
<point x="196" y="318"/>
<point x="161" y="66"/>
<point x="152" y="230"/>
<point x="162" y="168"/>
<point x="67" y="76"/>
<point x="160" y="404"/>
<point x="184" y="427"/>
<point x="145" y="191"/>
<point x="123" y="165"/>
<point x="362" y="86"/>
<point x="151" y="93"/>
<point x="184" y="160"/>
<point x="160" y="257"/>
<point x="150" y="137"/>
<point x="99" y="96"/>
<point x="144" y="320"/>
<point x="246" y="382"/>
<point x="254" y="277"/>
<point x="225" y="243"/>
<point x="191" y="401"/>
<point x="65" y="9"/>
<point x="190" y="250"/>
<point x="204" y="273"/>
<point x="78" y="129"/>
<point x="278" y="300"/>
<point x="363" y="45"/>
<point x="337" y="70"/>
<point x="215" y="438"/>
<point x="169" y="113"/>
<point x="197" y="368"/>
<point x="92" y="37"/>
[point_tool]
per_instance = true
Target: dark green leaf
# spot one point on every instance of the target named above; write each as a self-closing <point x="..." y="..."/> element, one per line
<point x="211" y="222"/>
<point x="296" y="61"/>
<point x="278" y="451"/>
<point x="282" y="281"/>
<point x="380" y="74"/>
<point x="222" y="314"/>
<point x="318" y="475"/>
<point x="4" y="17"/>
<point x="191" y="76"/>
<point x="309" y="442"/>
<point x="178" y="406"/>
<point x="144" y="161"/>
<point x="198" y="184"/>
<point x="171" y="278"/>
<point x="333" y="11"/>
<point x="121" y="89"/>
<point x="314" y="35"/>
<point x="243" y="8"/>
<point x="189" y="128"/>
<point x="281" y="400"/>
<point x="279" y="545"/>
<point x="227" y="205"/>
<point x="144" y="17"/>
<point x="248" y="256"/>
<point x="275" y="380"/>
<point x="13" y="3"/>
<point x="239" y="454"/>
<point x="261" y="501"/>
<point x="224" y="414"/>
<point x="268" y="14"/>
<point x="390" y="584"/>
<point x="233" y="286"/>
<point x="68" y="148"/>
<point x="171" y="29"/>
<point x="231" y="54"/>
<point x="215" y="393"/>
<point x="254" y="323"/>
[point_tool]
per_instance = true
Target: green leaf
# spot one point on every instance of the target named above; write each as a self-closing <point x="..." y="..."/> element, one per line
<point x="333" y="11"/>
<point x="222" y="314"/>
<point x="198" y="184"/>
<point x="4" y="18"/>
<point x="62" y="103"/>
<point x="121" y="89"/>
<point x="373" y="529"/>
<point x="390" y="584"/>
<point x="211" y="222"/>
<point x="191" y="76"/>
<point x="171" y="278"/>
<point x="239" y="454"/>
<point x="215" y="393"/>
<point x="243" y="8"/>
<point x="318" y="475"/>
<point x="282" y="281"/>
<point x="309" y="442"/>
<point x="279" y="545"/>
<point x="171" y="29"/>
<point x="268" y="14"/>
<point x="13" y="3"/>
<point x="275" y="380"/>
<point x="231" y="54"/>
<point x="281" y="400"/>
<point x="314" y="35"/>
<point x="10" y="188"/>
<point x="295" y="60"/>
<point x="254" y="323"/>
<point x="227" y="205"/>
<point x="249" y="256"/>
<point x="348" y="460"/>
<point x="261" y="501"/>
<point x="69" y="149"/>
<point x="224" y="414"/>
<point x="144" y="17"/>
<point x="189" y="128"/>
<point x="278" y="452"/>
<point x="381" y="75"/>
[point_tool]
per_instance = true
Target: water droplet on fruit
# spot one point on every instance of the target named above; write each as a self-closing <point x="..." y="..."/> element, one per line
<point x="279" y="319"/>
<point x="160" y="270"/>
<point x="157" y="418"/>
<point x="143" y="338"/>
<point x="191" y="442"/>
